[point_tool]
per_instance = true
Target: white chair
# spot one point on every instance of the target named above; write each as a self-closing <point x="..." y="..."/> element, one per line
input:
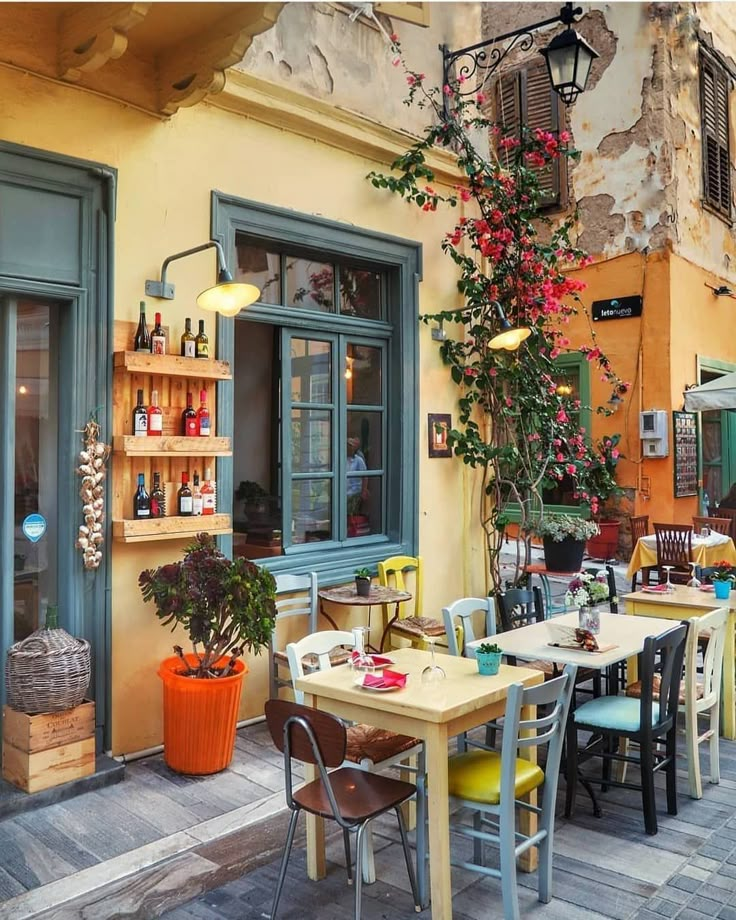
<point x="369" y="748"/>
<point x="700" y="694"/>
<point x="492" y="786"/>
<point x="296" y="596"/>
<point x="458" y="620"/>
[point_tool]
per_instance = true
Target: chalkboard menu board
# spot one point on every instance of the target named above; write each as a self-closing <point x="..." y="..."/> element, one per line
<point x="685" y="427"/>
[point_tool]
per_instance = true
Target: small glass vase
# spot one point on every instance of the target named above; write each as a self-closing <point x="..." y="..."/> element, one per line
<point x="590" y="618"/>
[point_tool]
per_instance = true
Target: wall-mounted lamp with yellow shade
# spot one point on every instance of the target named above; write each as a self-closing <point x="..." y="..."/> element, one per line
<point x="510" y="337"/>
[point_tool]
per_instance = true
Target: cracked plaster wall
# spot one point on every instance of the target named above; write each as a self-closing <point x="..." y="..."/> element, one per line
<point x="315" y="49"/>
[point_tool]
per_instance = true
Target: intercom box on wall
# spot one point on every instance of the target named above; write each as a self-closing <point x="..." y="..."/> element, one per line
<point x="654" y="433"/>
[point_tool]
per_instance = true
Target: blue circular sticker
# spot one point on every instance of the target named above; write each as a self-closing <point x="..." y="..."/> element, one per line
<point x="34" y="527"/>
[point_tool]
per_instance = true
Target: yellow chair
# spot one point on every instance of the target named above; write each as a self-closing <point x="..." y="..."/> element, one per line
<point x="392" y="573"/>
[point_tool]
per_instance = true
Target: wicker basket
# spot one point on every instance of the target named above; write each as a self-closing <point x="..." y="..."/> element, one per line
<point x="47" y="672"/>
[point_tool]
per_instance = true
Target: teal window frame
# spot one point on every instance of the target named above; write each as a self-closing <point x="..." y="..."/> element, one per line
<point x="579" y="363"/>
<point x="728" y="432"/>
<point x="400" y="261"/>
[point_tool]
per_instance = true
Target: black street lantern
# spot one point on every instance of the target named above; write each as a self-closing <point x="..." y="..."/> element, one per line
<point x="568" y="58"/>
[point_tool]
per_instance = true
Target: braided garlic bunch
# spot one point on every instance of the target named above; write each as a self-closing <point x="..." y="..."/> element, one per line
<point x="92" y="460"/>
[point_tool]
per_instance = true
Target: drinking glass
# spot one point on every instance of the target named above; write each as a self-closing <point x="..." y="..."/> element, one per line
<point x="670" y="587"/>
<point x="433" y="672"/>
<point x="694" y="580"/>
<point x="362" y="662"/>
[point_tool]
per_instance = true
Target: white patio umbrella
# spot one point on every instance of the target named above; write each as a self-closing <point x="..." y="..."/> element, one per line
<point x="716" y="394"/>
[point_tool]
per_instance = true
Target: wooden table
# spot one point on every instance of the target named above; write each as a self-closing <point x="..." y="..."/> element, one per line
<point x="681" y="604"/>
<point x="348" y="596"/>
<point x="706" y="551"/>
<point x="434" y="713"/>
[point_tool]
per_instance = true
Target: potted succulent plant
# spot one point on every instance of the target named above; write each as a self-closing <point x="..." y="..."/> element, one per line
<point x="488" y="656"/>
<point x="563" y="537"/>
<point x="226" y="607"/>
<point x="363" y="582"/>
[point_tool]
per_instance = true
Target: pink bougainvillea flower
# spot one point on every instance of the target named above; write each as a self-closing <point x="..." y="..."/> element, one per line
<point x="561" y="416"/>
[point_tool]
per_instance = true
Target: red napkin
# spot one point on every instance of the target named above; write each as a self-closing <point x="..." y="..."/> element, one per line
<point x="378" y="660"/>
<point x="654" y="589"/>
<point x="387" y="679"/>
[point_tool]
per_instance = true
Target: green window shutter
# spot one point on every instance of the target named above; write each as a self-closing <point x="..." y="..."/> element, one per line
<point x="714" y="99"/>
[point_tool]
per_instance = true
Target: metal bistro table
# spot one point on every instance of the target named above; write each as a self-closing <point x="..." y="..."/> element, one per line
<point x="349" y="597"/>
<point x="434" y="713"/>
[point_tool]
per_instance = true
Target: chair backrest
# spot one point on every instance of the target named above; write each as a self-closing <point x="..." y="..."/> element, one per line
<point x="716" y="623"/>
<point x="610" y="581"/>
<point x="546" y="729"/>
<point x="296" y="596"/>
<point x="674" y="544"/>
<point x="718" y="524"/>
<point x="520" y="607"/>
<point x="319" y="644"/>
<point x="639" y="527"/>
<point x="393" y="572"/>
<point x="662" y="654"/>
<point x="461" y="613"/>
<point x="729" y="513"/>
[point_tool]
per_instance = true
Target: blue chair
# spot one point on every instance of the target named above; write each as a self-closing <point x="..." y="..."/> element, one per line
<point x="609" y="718"/>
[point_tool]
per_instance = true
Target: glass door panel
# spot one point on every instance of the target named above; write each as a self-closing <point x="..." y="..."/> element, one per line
<point x="36" y="453"/>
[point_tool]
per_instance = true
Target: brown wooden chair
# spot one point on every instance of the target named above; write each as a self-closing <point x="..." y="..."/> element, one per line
<point x="350" y="797"/>
<point x="718" y="524"/>
<point x="674" y="548"/>
<point x="729" y="513"/>
<point x="640" y="528"/>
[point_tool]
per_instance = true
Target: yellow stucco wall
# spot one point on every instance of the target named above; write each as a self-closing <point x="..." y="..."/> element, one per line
<point x="166" y="170"/>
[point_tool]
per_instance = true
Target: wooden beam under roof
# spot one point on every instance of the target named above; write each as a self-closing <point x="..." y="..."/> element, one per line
<point x="91" y="34"/>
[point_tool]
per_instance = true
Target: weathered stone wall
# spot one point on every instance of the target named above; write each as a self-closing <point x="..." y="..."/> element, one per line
<point x="316" y="49"/>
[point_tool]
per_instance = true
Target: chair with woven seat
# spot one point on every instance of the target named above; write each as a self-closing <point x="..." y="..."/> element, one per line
<point x="717" y="524"/>
<point x="393" y="573"/>
<point x="650" y="724"/>
<point x="675" y="549"/>
<point x="350" y="797"/>
<point x="296" y="596"/>
<point x="367" y="747"/>
<point x="700" y="693"/>
<point x="492" y="786"/>
<point x="639" y="525"/>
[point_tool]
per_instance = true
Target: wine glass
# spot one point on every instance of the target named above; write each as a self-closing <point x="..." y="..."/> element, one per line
<point x="669" y="586"/>
<point x="362" y="661"/>
<point x="694" y="580"/>
<point x="433" y="672"/>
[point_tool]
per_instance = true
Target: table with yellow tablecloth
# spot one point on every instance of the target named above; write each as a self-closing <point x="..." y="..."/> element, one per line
<point x="706" y="551"/>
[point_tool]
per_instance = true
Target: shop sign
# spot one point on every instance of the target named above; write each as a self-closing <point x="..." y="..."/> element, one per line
<point x="34" y="527"/>
<point x="617" y="308"/>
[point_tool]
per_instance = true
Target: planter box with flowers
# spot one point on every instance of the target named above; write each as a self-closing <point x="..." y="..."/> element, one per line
<point x="563" y="537"/>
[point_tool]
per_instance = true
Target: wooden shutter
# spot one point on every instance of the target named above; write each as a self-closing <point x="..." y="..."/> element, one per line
<point x="714" y="87"/>
<point x="526" y="97"/>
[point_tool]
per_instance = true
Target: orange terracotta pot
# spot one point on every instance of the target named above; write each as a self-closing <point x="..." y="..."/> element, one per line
<point x="199" y="717"/>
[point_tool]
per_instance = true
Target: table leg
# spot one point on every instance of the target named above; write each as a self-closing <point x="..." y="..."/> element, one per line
<point x="439" y="822"/>
<point x="326" y="615"/>
<point x="729" y="677"/>
<point x="528" y="820"/>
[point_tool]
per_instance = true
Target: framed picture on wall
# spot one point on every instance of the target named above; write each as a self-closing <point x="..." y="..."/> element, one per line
<point x="438" y="425"/>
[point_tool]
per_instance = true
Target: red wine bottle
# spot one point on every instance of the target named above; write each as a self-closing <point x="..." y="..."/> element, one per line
<point x="141" y="500"/>
<point x="184" y="496"/>
<point x="142" y="340"/>
<point x="203" y="415"/>
<point x="158" y="338"/>
<point x="158" y="498"/>
<point x="189" y="423"/>
<point x="140" y="418"/>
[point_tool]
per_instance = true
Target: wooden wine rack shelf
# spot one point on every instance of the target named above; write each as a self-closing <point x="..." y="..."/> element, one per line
<point x="171" y="446"/>
<point x="170" y="528"/>
<point x="141" y="362"/>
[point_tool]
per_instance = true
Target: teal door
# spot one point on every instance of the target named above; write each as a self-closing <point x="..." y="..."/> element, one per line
<point x="55" y="328"/>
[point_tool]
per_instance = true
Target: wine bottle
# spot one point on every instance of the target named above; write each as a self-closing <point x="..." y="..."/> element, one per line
<point x="141" y="500"/>
<point x="201" y="343"/>
<point x="208" y="494"/>
<point x="184" y="496"/>
<point x="196" y="495"/>
<point x="158" y="498"/>
<point x="52" y="617"/>
<point x="155" y="417"/>
<point x="187" y="340"/>
<point x="140" y="418"/>
<point x="189" y="422"/>
<point x="142" y="340"/>
<point x="203" y="415"/>
<point x="158" y="338"/>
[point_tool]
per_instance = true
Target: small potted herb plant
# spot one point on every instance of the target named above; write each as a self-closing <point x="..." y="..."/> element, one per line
<point x="363" y="582"/>
<point x="723" y="576"/>
<point x="488" y="656"/>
